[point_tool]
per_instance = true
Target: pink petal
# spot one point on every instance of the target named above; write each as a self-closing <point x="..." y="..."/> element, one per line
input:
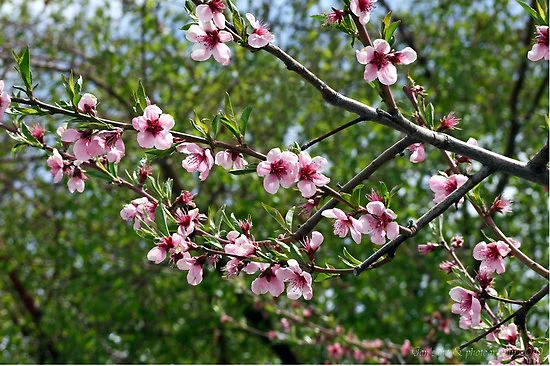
<point x="392" y="230"/>
<point x="387" y="74"/>
<point x="371" y="72"/>
<point x="221" y="53"/>
<point x="163" y="140"/>
<point x="70" y="135"/>
<point x="145" y="139"/>
<point x="376" y="208"/>
<point x="200" y="52"/>
<point x="381" y="46"/>
<point x="307" y="188"/>
<point x="271" y="184"/>
<point x="365" y="55"/>
<point x="204" y="13"/>
<point x="195" y="33"/>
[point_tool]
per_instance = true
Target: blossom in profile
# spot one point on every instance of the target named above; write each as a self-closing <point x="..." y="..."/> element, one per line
<point x="140" y="210"/>
<point x="448" y="122"/>
<point x="280" y="168"/>
<point x="467" y="305"/>
<point x="87" y="144"/>
<point x="379" y="224"/>
<point x="269" y="281"/>
<point x="57" y="166"/>
<point x="298" y="281"/>
<point x="380" y="61"/>
<point x="540" y="49"/>
<point x="417" y="153"/>
<point x="88" y="104"/>
<point x="154" y="128"/>
<point x="362" y="9"/>
<point x="194" y="266"/>
<point x="311" y="246"/>
<point x="444" y="186"/>
<point x="228" y="159"/>
<point x="76" y="182"/>
<point x="260" y="36"/>
<point x="447" y="266"/>
<point x="345" y="224"/>
<point x="188" y="220"/>
<point x="336" y="16"/>
<point x="427" y="248"/>
<point x="198" y="159"/>
<point x="309" y="174"/>
<point x="212" y="11"/>
<point x="491" y="256"/>
<point x="114" y="146"/>
<point x="166" y="245"/>
<point x="5" y="100"/>
<point x="501" y="205"/>
<point x="209" y="41"/>
<point x="509" y="333"/>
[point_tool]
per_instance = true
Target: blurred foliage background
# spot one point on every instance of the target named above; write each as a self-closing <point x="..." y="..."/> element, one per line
<point x="76" y="285"/>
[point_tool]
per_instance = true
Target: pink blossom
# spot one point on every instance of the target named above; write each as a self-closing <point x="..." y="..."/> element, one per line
<point x="443" y="186"/>
<point x="114" y="145"/>
<point x="188" y="221"/>
<point x="5" y="100"/>
<point x="269" y="281"/>
<point x="87" y="144"/>
<point x="491" y="256"/>
<point x="309" y="176"/>
<point x="209" y="42"/>
<point x="228" y="159"/>
<point x="509" y="333"/>
<point x="446" y="266"/>
<point x="467" y="305"/>
<point x="406" y="348"/>
<point x="37" y="132"/>
<point x="299" y="282"/>
<point x="212" y="11"/>
<point x="76" y="182"/>
<point x="375" y="196"/>
<point x="279" y="168"/>
<point x="335" y="351"/>
<point x="379" y="223"/>
<point x="285" y="324"/>
<point x="198" y="159"/>
<point x="417" y="153"/>
<point x="380" y="61"/>
<point x="449" y="122"/>
<point x="165" y="245"/>
<point x="139" y="210"/>
<point x="501" y="205"/>
<point x="427" y="248"/>
<point x="241" y="247"/>
<point x="88" y="104"/>
<point x="154" y="128"/>
<point x="362" y="9"/>
<point x="344" y="224"/>
<point x="260" y="35"/>
<point x="311" y="245"/>
<point x="57" y="166"/>
<point x="457" y="241"/>
<point x="335" y="16"/>
<point x="359" y="355"/>
<point x="540" y="49"/>
<point x="194" y="266"/>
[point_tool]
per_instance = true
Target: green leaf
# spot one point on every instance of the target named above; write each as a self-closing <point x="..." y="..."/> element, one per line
<point x="251" y="169"/>
<point x="275" y="214"/>
<point x="140" y="99"/>
<point x="289" y="217"/>
<point x="357" y="194"/>
<point x="215" y="125"/>
<point x="227" y="121"/>
<point x="388" y="32"/>
<point x="351" y="258"/>
<point x="245" y="115"/>
<point x="160" y="154"/>
<point x="25" y="69"/>
<point x="325" y="276"/>
<point x="229" y="106"/>
<point x="529" y="10"/>
<point x="99" y="175"/>
<point x="160" y="219"/>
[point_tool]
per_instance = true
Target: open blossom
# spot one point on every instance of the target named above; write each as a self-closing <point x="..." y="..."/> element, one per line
<point x="309" y="174"/>
<point x="467" y="305"/>
<point x="260" y="35"/>
<point x="5" y="100"/>
<point x="509" y="333"/>
<point x="230" y="159"/>
<point x="491" y="256"/>
<point x="336" y="16"/>
<point x="279" y="168"/>
<point x="241" y="247"/>
<point x="194" y="266"/>
<point x="443" y="186"/>
<point x="212" y="11"/>
<point x="362" y="9"/>
<point x="417" y="153"/>
<point x="165" y="245"/>
<point x="114" y="146"/>
<point x="209" y="41"/>
<point x="76" y="182"/>
<point x="501" y="205"/>
<point x="198" y="159"/>
<point x="140" y="209"/>
<point x="87" y="144"/>
<point x="57" y="166"/>
<point x="378" y="222"/>
<point x="311" y="245"/>
<point x="269" y="281"/>
<point x="344" y="224"/>
<point x="448" y="122"/>
<point x="380" y="61"/>
<point x="188" y="221"/>
<point x="88" y="104"/>
<point x="540" y="49"/>
<point x="154" y="128"/>
<point x="299" y="282"/>
<point x="335" y="351"/>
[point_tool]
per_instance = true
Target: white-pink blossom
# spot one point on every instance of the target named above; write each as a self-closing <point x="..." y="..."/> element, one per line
<point x="269" y="281"/>
<point x="194" y="266"/>
<point x="114" y="146"/>
<point x="5" y="100"/>
<point x="228" y="159"/>
<point x="209" y="41"/>
<point x="467" y="305"/>
<point x="76" y="182"/>
<point x="57" y="166"/>
<point x="309" y="174"/>
<point x="378" y="223"/>
<point x="212" y="11"/>
<point x="298" y="281"/>
<point x="491" y="256"/>
<point x="198" y="159"/>
<point x="345" y="223"/>
<point x="444" y="186"/>
<point x="417" y="153"/>
<point x="362" y="9"/>
<point x="279" y="168"/>
<point x="260" y="35"/>
<point x="540" y="49"/>
<point x="88" y="104"/>
<point x="311" y="246"/>
<point x="509" y="333"/>
<point x="87" y="144"/>
<point x="380" y="61"/>
<point x="140" y="209"/>
<point x="167" y="244"/>
<point x="188" y="220"/>
<point x="241" y="247"/>
<point x="154" y="128"/>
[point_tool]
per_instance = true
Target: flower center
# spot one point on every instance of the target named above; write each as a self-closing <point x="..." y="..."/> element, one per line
<point x="380" y="59"/>
<point x="307" y="172"/>
<point x="542" y="36"/>
<point x="278" y="168"/>
<point x="154" y="126"/>
<point x="216" y="6"/>
<point x="211" y="39"/>
<point x="365" y="5"/>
